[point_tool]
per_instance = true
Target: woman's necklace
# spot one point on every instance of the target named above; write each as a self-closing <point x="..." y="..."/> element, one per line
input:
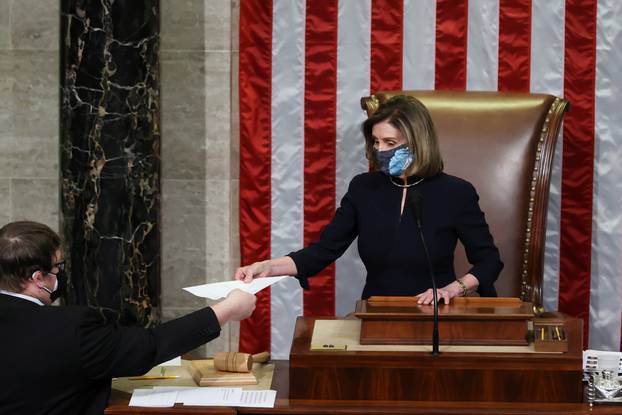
<point x="405" y="185"/>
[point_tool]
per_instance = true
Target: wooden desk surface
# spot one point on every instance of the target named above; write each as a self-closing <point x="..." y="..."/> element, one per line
<point x="284" y="405"/>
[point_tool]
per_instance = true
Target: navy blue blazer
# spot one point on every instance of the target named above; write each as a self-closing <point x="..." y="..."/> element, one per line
<point x="388" y="241"/>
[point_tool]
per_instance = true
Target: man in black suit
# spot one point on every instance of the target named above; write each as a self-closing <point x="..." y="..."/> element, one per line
<point x="60" y="360"/>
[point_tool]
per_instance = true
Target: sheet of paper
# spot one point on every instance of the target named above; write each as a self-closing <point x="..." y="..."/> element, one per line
<point x="153" y="398"/>
<point x="176" y="361"/>
<point x="175" y="389"/>
<point x="208" y="396"/>
<point x="214" y="396"/>
<point x="257" y="398"/>
<point x="217" y="290"/>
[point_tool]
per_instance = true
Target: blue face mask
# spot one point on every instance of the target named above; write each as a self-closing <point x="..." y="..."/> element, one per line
<point x="394" y="161"/>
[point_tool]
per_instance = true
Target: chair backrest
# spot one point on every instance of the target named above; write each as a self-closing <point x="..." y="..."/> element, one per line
<point x="503" y="143"/>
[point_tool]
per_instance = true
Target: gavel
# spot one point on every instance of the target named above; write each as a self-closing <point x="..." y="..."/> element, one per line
<point x="238" y="362"/>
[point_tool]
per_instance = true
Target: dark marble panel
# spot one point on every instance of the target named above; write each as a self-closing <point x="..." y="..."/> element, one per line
<point x="110" y="154"/>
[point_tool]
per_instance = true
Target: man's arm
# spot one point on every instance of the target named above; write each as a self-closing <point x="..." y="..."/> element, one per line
<point x="109" y="350"/>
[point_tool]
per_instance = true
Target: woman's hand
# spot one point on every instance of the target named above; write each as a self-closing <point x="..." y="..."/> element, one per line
<point x="255" y="270"/>
<point x="451" y="290"/>
<point x="269" y="268"/>
<point x="446" y="294"/>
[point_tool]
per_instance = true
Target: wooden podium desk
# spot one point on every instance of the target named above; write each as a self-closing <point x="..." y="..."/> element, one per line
<point x="492" y="375"/>
<point x="285" y="405"/>
<point x="290" y="383"/>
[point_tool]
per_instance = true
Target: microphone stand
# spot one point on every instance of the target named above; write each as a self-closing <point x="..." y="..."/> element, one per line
<point x="416" y="199"/>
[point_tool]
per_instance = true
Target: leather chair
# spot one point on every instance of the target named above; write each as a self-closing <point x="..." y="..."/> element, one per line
<point x="503" y="143"/>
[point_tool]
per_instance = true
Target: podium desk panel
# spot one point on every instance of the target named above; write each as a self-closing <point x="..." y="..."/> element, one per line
<point x="419" y="376"/>
<point x="286" y="405"/>
<point x="466" y="321"/>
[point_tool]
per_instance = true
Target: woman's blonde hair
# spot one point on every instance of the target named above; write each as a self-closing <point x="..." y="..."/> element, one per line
<point x="408" y="115"/>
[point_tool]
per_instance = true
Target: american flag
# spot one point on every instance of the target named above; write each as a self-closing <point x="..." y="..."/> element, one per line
<point x="304" y="65"/>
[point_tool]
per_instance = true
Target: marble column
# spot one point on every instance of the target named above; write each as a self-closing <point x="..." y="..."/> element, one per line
<point x="110" y="155"/>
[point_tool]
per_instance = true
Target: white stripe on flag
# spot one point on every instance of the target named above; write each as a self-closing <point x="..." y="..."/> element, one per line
<point x="419" y="41"/>
<point x="547" y="76"/>
<point x="605" y="289"/>
<point x="353" y="62"/>
<point x="483" y="45"/>
<point x="288" y="37"/>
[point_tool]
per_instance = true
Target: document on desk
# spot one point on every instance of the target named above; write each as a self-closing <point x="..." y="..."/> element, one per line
<point x="153" y="398"/>
<point x="209" y="396"/>
<point x="176" y="361"/>
<point x="217" y="290"/>
<point x="166" y="396"/>
<point x="257" y="399"/>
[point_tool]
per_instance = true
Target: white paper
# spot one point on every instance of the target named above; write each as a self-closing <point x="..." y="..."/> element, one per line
<point x="153" y="398"/>
<point x="173" y="388"/>
<point x="209" y="396"/>
<point x="257" y="398"/>
<point x="215" y="396"/>
<point x="176" y="389"/>
<point x="176" y="361"/>
<point x="217" y="290"/>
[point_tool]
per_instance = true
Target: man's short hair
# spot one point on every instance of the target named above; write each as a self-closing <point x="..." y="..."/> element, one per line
<point x="25" y="247"/>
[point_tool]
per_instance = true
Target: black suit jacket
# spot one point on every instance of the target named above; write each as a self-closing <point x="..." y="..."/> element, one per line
<point x="389" y="243"/>
<point x="60" y="360"/>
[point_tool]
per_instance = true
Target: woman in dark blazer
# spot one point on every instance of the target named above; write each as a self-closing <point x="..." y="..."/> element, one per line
<point x="381" y="208"/>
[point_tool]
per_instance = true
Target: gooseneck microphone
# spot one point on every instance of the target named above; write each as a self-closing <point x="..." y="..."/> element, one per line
<point x="415" y="199"/>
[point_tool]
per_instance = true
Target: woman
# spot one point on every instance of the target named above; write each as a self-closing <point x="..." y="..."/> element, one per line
<point x="402" y="148"/>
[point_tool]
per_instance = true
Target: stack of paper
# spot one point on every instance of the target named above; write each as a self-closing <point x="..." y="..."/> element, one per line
<point x="153" y="398"/>
<point x="163" y="397"/>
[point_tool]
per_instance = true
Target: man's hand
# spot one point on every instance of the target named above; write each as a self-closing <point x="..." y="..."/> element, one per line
<point x="237" y="306"/>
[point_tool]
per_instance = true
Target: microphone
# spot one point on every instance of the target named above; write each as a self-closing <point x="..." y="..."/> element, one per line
<point x="415" y="199"/>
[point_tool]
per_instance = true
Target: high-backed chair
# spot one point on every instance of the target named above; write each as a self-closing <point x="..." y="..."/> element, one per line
<point x="503" y="143"/>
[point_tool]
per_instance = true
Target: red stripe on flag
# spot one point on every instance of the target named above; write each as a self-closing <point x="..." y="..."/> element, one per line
<point x="387" y="18"/>
<point x="514" y="45"/>
<point x="451" y="44"/>
<point x="578" y="160"/>
<point x="320" y="143"/>
<point x="255" y="158"/>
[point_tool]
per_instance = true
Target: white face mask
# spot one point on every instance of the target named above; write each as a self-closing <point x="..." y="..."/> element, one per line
<point x="55" y="285"/>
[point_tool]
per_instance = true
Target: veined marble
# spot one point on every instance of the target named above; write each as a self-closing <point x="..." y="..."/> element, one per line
<point x="110" y="155"/>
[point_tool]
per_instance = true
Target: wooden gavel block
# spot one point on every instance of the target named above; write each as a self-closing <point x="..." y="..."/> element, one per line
<point x="238" y="362"/>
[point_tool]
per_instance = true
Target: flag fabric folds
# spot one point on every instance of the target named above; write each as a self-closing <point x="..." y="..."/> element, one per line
<point x="304" y="65"/>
